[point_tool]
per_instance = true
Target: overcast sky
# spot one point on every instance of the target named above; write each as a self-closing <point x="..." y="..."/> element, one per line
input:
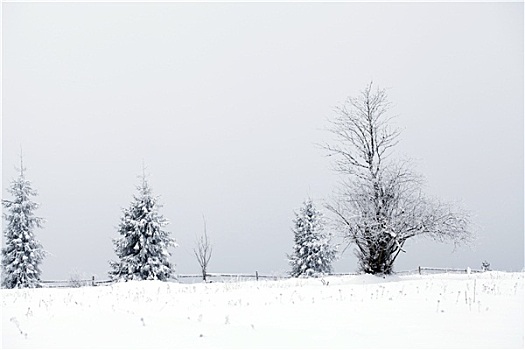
<point x="225" y="104"/>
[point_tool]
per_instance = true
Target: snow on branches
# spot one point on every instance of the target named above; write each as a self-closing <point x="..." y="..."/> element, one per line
<point x="143" y="245"/>
<point x="380" y="204"/>
<point x="22" y="254"/>
<point x="313" y="253"/>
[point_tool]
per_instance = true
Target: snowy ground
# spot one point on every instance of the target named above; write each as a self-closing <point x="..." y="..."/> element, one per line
<point x="432" y="311"/>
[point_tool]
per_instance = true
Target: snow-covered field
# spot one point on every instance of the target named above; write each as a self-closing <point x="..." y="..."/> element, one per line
<point x="430" y="311"/>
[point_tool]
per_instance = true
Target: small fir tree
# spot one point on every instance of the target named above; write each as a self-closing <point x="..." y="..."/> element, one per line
<point x="22" y="254"/>
<point x="313" y="253"/>
<point x="143" y="245"/>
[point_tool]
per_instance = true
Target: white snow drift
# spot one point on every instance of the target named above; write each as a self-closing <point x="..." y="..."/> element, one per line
<point x="434" y="311"/>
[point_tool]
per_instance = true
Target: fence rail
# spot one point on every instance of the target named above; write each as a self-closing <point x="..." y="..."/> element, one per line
<point x="72" y="283"/>
<point x="227" y="277"/>
<point x="421" y="270"/>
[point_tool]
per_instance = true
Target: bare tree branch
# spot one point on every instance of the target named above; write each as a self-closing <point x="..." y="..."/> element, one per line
<point x="203" y="251"/>
<point x="380" y="205"/>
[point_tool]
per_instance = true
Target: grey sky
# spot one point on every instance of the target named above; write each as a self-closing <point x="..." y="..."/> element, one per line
<point x="225" y="103"/>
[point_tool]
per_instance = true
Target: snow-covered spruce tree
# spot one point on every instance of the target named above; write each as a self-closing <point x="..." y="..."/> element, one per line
<point x="313" y="253"/>
<point x="143" y="245"/>
<point x="22" y="254"/>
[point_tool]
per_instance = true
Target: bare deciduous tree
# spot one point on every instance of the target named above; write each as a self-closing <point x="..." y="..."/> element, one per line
<point x="203" y="251"/>
<point x="380" y="205"/>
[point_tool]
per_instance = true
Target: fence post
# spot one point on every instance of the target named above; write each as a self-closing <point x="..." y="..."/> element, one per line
<point x="256" y="275"/>
<point x="419" y="269"/>
<point x="93" y="281"/>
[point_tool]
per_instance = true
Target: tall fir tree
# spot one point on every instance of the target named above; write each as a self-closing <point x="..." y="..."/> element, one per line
<point x="23" y="254"/>
<point x="313" y="252"/>
<point x="143" y="245"/>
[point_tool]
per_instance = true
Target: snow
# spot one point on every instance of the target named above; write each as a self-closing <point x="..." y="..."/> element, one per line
<point x="313" y="253"/>
<point x="480" y="310"/>
<point x="23" y="253"/>
<point x="143" y="241"/>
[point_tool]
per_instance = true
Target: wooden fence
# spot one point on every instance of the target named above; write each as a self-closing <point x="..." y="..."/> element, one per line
<point x="228" y="277"/>
<point x="238" y="277"/>
<point x="72" y="283"/>
<point x="429" y="270"/>
<point x="182" y="278"/>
